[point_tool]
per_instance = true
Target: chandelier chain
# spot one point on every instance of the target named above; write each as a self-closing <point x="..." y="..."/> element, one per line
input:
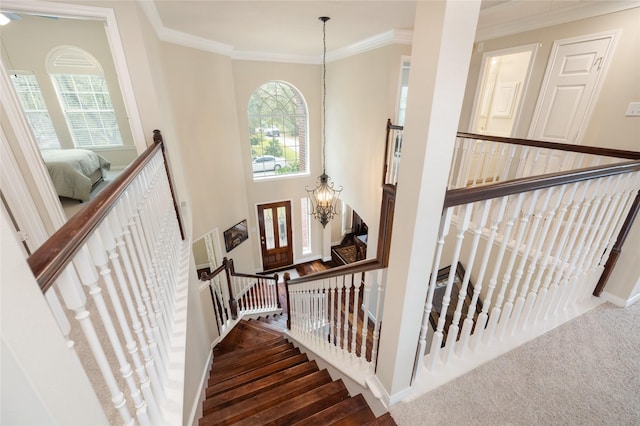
<point x="324" y="92"/>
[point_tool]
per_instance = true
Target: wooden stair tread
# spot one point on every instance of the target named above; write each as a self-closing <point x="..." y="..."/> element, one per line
<point x="248" y="357"/>
<point x="264" y="400"/>
<point x="264" y="384"/>
<point x="243" y="351"/>
<point x="239" y="369"/>
<point x="335" y="412"/>
<point x="360" y="417"/>
<point x="256" y="374"/>
<point x="287" y="412"/>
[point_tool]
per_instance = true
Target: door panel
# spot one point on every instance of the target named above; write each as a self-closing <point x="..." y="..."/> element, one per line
<point x="569" y="89"/>
<point x="274" y="220"/>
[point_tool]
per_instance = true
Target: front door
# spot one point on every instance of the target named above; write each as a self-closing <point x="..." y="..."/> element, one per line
<point x="274" y="220"/>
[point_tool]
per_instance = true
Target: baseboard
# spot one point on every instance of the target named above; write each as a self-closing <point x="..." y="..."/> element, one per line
<point x="195" y="413"/>
<point x="619" y="301"/>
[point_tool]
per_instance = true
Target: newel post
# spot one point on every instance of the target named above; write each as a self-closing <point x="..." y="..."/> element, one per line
<point x="233" y="304"/>
<point x="287" y="277"/>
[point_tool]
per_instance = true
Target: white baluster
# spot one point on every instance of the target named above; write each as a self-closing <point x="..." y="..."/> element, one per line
<point x="332" y="326"/>
<point x="567" y="200"/>
<point x="345" y="325"/>
<point x="122" y="235"/>
<point x="89" y="278"/>
<point x="479" y="223"/>
<point x="563" y="250"/>
<point x="496" y="220"/>
<point x="376" y="328"/>
<point x="110" y="243"/>
<point x="515" y="209"/>
<point x="445" y="223"/>
<point x="365" y="320"/>
<point x="564" y="287"/>
<point x="356" y="308"/>
<point x="75" y="300"/>
<point x="464" y="220"/>
<point x="505" y="318"/>
<point x="534" y="262"/>
<point x="340" y="285"/>
<point x="98" y="254"/>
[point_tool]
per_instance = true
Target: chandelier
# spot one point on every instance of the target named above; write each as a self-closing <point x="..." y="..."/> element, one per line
<point x="324" y="198"/>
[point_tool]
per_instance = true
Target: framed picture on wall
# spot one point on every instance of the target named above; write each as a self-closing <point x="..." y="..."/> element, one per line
<point x="235" y="235"/>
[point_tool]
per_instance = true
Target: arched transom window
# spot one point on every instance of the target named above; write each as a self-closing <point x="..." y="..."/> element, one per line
<point x="277" y="116"/>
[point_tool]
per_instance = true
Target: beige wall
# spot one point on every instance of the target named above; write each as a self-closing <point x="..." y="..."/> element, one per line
<point x="362" y="92"/>
<point x="608" y="127"/>
<point x="25" y="48"/>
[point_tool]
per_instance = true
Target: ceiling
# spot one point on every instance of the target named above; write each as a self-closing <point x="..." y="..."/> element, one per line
<point x="289" y="31"/>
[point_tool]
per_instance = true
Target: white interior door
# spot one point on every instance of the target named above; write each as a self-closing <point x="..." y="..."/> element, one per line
<point x="570" y="87"/>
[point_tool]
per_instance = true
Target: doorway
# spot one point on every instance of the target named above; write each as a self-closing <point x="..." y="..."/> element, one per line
<point x="502" y="84"/>
<point x="274" y="220"/>
<point x="575" y="70"/>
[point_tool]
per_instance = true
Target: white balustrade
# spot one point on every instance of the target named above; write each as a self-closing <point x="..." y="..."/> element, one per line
<point x="335" y="318"/>
<point x="543" y="252"/>
<point x="135" y="254"/>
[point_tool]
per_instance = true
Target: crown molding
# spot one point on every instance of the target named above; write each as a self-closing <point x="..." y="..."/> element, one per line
<point x="188" y="40"/>
<point x="574" y="12"/>
<point x="383" y="39"/>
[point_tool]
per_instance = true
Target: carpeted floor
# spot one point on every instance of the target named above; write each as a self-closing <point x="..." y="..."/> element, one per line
<point x="585" y="372"/>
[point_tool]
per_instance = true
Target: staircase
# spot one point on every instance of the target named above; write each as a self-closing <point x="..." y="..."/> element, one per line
<point x="259" y="378"/>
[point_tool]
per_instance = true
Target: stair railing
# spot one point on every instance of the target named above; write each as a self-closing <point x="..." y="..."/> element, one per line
<point x="234" y="294"/>
<point x="393" y="152"/>
<point x="128" y="240"/>
<point x="517" y="258"/>
<point x="336" y="313"/>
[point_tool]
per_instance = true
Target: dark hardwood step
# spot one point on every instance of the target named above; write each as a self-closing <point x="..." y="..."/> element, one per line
<point x="256" y="374"/>
<point x="358" y="418"/>
<point x="300" y="407"/>
<point x="335" y="412"/>
<point x="239" y="369"/>
<point x="255" y="404"/>
<point x="248" y="357"/>
<point x="264" y="384"/>
<point x="251" y="349"/>
<point x="259" y="378"/>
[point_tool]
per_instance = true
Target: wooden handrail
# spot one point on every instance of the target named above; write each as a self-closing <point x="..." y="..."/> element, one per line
<point x="605" y="152"/>
<point x="157" y="138"/>
<point x="351" y="268"/>
<point x="48" y="261"/>
<point x="617" y="247"/>
<point x="460" y="196"/>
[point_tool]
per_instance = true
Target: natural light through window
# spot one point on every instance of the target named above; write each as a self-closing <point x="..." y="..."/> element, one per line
<point x="306" y="225"/>
<point x="35" y="110"/>
<point x="277" y="116"/>
<point x="87" y="106"/>
<point x="84" y="97"/>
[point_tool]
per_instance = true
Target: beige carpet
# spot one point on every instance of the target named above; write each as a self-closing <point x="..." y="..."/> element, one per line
<point x="585" y="372"/>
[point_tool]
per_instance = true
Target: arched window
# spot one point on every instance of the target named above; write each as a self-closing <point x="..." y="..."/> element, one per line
<point x="84" y="97"/>
<point x="278" y="125"/>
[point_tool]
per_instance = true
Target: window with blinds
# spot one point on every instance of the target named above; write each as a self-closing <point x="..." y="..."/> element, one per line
<point x="87" y="107"/>
<point x="35" y="110"/>
<point x="84" y="97"/>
